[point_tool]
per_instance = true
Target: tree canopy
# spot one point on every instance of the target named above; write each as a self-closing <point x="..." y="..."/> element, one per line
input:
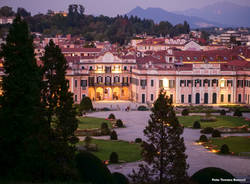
<point x="119" y="29"/>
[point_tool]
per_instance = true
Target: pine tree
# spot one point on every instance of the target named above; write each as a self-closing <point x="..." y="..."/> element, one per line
<point x="60" y="113"/>
<point x="164" y="149"/>
<point x="23" y="133"/>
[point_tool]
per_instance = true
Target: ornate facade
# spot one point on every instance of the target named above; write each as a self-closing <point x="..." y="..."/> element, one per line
<point x="189" y="77"/>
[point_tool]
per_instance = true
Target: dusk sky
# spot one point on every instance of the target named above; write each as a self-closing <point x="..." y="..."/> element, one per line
<point x="111" y="7"/>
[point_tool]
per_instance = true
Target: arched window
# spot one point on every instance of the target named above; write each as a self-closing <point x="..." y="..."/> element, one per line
<point x="205" y="98"/>
<point x="99" y="79"/>
<point x="214" y="98"/>
<point x="197" y="98"/>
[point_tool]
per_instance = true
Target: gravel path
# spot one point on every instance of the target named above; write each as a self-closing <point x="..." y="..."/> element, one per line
<point x="198" y="156"/>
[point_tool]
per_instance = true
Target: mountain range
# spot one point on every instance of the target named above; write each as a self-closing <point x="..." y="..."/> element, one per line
<point x="221" y="14"/>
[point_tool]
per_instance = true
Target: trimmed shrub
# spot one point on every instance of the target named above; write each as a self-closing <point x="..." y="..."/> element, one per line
<point x="86" y="105"/>
<point x="89" y="166"/>
<point x="237" y="112"/>
<point x="142" y="108"/>
<point x="113" y="135"/>
<point x="222" y="112"/>
<point x="138" y="140"/>
<point x="196" y="125"/>
<point x="119" y="178"/>
<point x="105" y="129"/>
<point x="203" y="138"/>
<point x="111" y="116"/>
<point x="185" y="112"/>
<point x="224" y="149"/>
<point x="207" y="130"/>
<point x="205" y="176"/>
<point x="216" y="133"/>
<point x="119" y="123"/>
<point x="114" y="158"/>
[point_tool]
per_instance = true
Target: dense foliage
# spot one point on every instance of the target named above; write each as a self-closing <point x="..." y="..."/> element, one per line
<point x="224" y="149"/>
<point x="203" y="138"/>
<point x="205" y="176"/>
<point x="119" y="123"/>
<point x="113" y="135"/>
<point x="37" y="118"/>
<point x="60" y="113"/>
<point x="119" y="29"/>
<point x="114" y="158"/>
<point x="120" y="178"/>
<point x="23" y="131"/>
<point x="185" y="112"/>
<point x="196" y="125"/>
<point x="86" y="105"/>
<point x="216" y="133"/>
<point x="91" y="169"/>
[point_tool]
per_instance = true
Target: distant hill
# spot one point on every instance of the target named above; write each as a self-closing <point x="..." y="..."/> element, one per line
<point x="222" y="12"/>
<point x="158" y="14"/>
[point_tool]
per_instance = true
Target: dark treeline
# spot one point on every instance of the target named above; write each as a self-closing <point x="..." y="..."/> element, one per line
<point x="119" y="29"/>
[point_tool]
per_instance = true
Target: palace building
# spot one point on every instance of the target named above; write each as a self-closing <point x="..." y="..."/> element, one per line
<point x="188" y="77"/>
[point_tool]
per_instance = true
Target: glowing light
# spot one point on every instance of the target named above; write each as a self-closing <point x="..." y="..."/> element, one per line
<point x="198" y="143"/>
<point x="214" y="151"/>
<point x="165" y="83"/>
<point x="222" y="83"/>
<point x="106" y="162"/>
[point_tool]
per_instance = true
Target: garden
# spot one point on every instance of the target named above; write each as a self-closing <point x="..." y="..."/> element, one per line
<point x="220" y="121"/>
<point x="234" y="145"/>
<point x="126" y="151"/>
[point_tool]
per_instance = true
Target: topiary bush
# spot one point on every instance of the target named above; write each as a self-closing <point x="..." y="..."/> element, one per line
<point x="185" y="112"/>
<point x="207" y="130"/>
<point x="105" y="129"/>
<point x="114" y="158"/>
<point x="142" y="108"/>
<point x="205" y="176"/>
<point x="89" y="166"/>
<point x="113" y="135"/>
<point x="119" y="123"/>
<point x="224" y="149"/>
<point x="86" y="105"/>
<point x="111" y="116"/>
<point x="120" y="178"/>
<point x="216" y="133"/>
<point x="138" y="140"/>
<point x="196" y="125"/>
<point x="203" y="138"/>
<point x="237" y="112"/>
<point x="222" y="112"/>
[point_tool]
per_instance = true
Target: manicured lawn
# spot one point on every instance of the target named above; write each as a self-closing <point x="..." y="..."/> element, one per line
<point x="91" y="122"/>
<point x="222" y="121"/>
<point x="127" y="152"/>
<point x="236" y="144"/>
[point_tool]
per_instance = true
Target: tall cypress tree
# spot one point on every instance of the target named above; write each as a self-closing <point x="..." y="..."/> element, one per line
<point x="164" y="149"/>
<point x="23" y="133"/>
<point x="59" y="105"/>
